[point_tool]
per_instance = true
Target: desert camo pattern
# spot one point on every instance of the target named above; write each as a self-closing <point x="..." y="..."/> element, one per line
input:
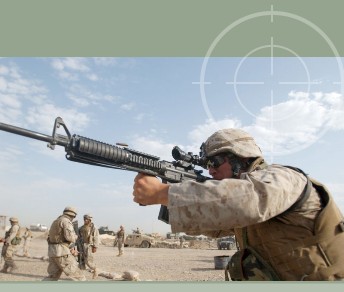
<point x="215" y="208"/>
<point x="61" y="234"/>
<point x="231" y="140"/>
<point x="8" y="249"/>
<point x="61" y="260"/>
<point x="90" y="236"/>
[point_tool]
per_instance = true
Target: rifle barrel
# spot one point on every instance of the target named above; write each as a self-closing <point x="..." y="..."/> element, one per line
<point x="25" y="132"/>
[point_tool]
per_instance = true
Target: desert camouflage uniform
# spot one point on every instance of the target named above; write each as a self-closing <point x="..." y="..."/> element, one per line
<point x="27" y="236"/>
<point x="61" y="236"/>
<point x="216" y="207"/>
<point x="120" y="240"/>
<point x="221" y="207"/>
<point x="90" y="238"/>
<point x="9" y="249"/>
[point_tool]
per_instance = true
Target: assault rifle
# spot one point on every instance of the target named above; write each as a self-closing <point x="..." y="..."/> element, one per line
<point x="89" y="151"/>
<point x="79" y="244"/>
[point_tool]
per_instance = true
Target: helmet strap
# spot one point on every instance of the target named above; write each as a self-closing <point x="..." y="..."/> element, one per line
<point x="237" y="165"/>
<point x="236" y="168"/>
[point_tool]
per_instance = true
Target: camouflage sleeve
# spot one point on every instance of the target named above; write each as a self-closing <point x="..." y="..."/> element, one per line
<point x="217" y="206"/>
<point x="95" y="238"/>
<point x="68" y="231"/>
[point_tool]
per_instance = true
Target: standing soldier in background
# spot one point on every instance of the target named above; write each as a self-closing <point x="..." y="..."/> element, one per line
<point x="61" y="251"/>
<point x="181" y="241"/>
<point x="89" y="236"/>
<point x="27" y="236"/>
<point x="120" y="240"/>
<point x="11" y="240"/>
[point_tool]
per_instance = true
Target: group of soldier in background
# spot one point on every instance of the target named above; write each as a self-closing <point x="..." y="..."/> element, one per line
<point x="70" y="249"/>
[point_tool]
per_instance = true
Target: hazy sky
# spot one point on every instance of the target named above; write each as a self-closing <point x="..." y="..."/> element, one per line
<point x="292" y="106"/>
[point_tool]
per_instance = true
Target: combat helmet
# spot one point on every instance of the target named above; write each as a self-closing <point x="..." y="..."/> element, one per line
<point x="14" y="220"/>
<point x="71" y="211"/>
<point x="88" y="216"/>
<point x="231" y="140"/>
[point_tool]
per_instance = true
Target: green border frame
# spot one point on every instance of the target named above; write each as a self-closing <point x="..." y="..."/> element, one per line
<point x="166" y="28"/>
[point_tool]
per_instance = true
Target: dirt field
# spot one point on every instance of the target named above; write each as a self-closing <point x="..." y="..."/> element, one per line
<point x="151" y="264"/>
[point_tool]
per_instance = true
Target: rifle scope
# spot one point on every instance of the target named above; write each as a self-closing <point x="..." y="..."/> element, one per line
<point x="179" y="154"/>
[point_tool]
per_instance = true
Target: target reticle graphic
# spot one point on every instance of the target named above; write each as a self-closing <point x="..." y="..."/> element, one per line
<point x="304" y="81"/>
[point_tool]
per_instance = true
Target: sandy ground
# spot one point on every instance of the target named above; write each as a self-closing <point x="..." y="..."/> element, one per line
<point x="150" y="264"/>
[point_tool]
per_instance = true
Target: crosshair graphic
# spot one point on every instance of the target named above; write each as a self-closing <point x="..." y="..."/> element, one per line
<point x="238" y="82"/>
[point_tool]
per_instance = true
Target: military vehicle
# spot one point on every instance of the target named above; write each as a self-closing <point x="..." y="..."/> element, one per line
<point x="138" y="240"/>
<point x="226" y="243"/>
<point x="105" y="230"/>
<point x="39" y="227"/>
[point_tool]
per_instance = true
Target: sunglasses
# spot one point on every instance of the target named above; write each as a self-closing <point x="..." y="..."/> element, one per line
<point x="215" y="161"/>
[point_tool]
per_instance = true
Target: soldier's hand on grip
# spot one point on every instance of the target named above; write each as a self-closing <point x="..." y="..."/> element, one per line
<point x="148" y="190"/>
